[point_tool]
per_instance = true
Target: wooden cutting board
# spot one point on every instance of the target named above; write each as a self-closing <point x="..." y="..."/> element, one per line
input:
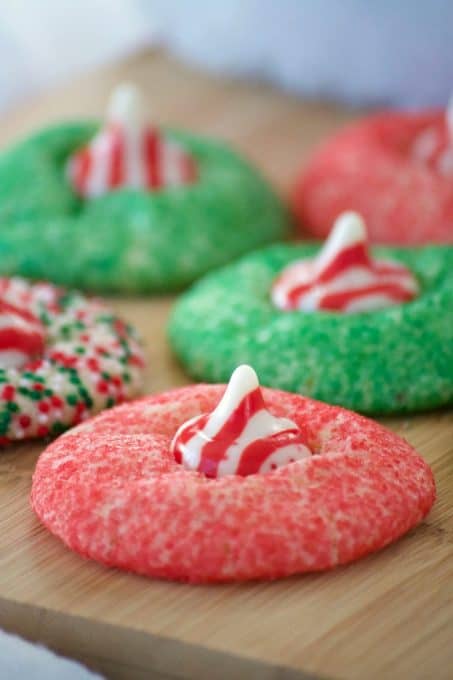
<point x="387" y="616"/>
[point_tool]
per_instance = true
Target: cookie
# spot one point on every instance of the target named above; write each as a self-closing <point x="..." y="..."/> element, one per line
<point x="112" y="490"/>
<point x="131" y="226"/>
<point x="395" y="169"/>
<point x="63" y="358"/>
<point x="398" y="358"/>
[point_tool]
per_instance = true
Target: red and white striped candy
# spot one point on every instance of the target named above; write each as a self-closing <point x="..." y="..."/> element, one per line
<point x="240" y="437"/>
<point x="129" y="153"/>
<point x="434" y="146"/>
<point x="22" y="336"/>
<point x="343" y="277"/>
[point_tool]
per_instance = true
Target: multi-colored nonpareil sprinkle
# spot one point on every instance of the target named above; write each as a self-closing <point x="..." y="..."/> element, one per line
<point x="89" y="360"/>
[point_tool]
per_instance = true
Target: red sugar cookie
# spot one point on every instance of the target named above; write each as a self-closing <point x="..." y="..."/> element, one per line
<point x="112" y="491"/>
<point x="395" y="169"/>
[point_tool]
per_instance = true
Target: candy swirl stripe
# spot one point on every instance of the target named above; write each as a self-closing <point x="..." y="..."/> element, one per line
<point x="116" y="162"/>
<point x="240" y="437"/>
<point x="18" y="331"/>
<point x="21" y="335"/>
<point x="343" y="277"/>
<point x="343" y="290"/>
<point x="26" y="341"/>
<point x="434" y="145"/>
<point x="129" y="153"/>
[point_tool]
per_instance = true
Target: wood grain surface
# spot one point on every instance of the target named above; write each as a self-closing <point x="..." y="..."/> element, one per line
<point x="387" y="616"/>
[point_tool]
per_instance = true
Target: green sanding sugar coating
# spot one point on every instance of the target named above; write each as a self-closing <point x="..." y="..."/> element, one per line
<point x="129" y="240"/>
<point x="398" y="359"/>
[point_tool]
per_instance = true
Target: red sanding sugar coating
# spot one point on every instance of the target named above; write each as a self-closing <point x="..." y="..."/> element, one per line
<point x="112" y="491"/>
<point x="394" y="169"/>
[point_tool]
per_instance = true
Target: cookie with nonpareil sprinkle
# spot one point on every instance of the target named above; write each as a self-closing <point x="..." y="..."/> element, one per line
<point x="368" y="329"/>
<point x="63" y="357"/>
<point x="127" y="206"/>
<point x="208" y="484"/>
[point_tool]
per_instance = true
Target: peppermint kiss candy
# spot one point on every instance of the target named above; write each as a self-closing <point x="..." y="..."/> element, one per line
<point x="434" y="146"/>
<point x="343" y="277"/>
<point x="129" y="153"/>
<point x="240" y="437"/>
<point x="22" y="336"/>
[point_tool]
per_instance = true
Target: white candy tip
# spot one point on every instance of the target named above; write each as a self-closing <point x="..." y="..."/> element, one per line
<point x="243" y="381"/>
<point x="349" y="226"/>
<point x="246" y="377"/>
<point x="348" y="229"/>
<point x="126" y="105"/>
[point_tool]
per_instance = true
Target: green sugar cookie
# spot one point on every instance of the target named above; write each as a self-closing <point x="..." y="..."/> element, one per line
<point x="398" y="359"/>
<point x="128" y="240"/>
